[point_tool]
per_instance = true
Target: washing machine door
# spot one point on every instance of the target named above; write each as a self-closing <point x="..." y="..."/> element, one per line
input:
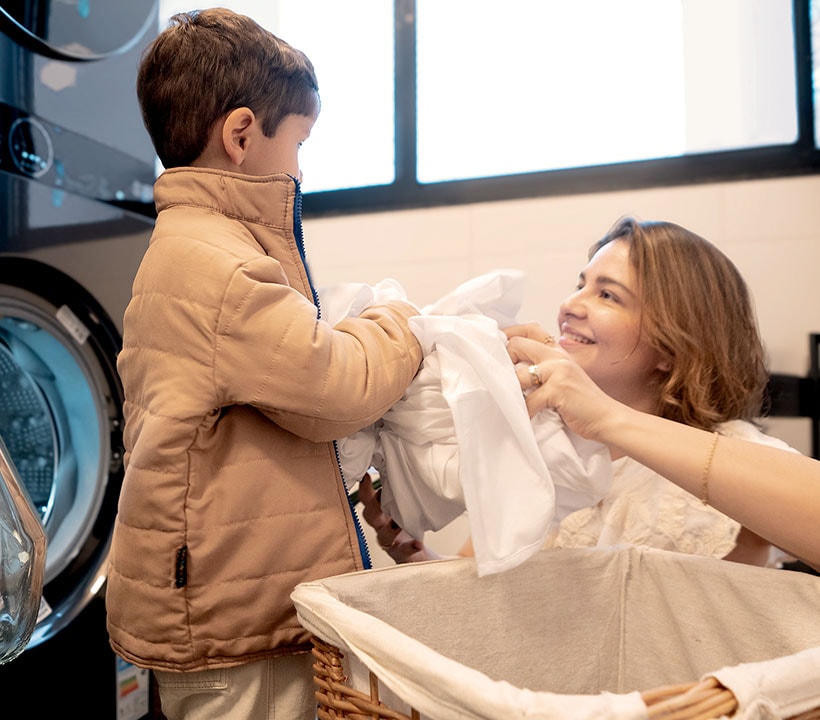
<point x="61" y="420"/>
<point x="76" y="30"/>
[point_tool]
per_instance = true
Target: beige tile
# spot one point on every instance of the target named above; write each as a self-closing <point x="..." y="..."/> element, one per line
<point x="763" y="210"/>
<point x="404" y="236"/>
<point x="782" y="277"/>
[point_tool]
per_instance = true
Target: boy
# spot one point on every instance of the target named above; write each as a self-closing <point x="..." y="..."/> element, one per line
<point x="234" y="388"/>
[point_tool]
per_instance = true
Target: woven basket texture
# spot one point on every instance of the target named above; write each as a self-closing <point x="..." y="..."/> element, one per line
<point x="705" y="700"/>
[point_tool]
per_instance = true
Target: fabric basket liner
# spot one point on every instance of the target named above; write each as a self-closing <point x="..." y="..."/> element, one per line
<point x="572" y="633"/>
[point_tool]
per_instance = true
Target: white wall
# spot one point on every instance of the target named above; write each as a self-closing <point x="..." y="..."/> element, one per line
<point x="770" y="228"/>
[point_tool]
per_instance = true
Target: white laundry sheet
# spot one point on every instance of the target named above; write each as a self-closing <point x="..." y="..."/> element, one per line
<point x="461" y="438"/>
<point x="576" y="633"/>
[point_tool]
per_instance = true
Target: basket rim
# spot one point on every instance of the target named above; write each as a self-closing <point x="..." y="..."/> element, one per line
<point x="705" y="699"/>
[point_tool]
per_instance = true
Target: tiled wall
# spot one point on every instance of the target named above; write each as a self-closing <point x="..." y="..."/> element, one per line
<point x="770" y="228"/>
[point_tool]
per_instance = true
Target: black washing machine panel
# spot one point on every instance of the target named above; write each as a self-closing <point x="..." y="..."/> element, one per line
<point x="69" y="115"/>
<point x="61" y="420"/>
<point x="65" y="165"/>
<point x="76" y="174"/>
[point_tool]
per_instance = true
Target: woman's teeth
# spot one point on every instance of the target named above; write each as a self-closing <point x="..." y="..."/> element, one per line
<point x="577" y="338"/>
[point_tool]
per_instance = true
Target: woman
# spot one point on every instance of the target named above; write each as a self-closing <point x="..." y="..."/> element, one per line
<point x="663" y="323"/>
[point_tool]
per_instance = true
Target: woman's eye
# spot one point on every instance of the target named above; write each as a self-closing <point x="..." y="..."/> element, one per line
<point x="607" y="295"/>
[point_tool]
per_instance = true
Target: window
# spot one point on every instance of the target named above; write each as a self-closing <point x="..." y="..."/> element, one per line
<point x="351" y="47"/>
<point x="593" y="83"/>
<point x="442" y="101"/>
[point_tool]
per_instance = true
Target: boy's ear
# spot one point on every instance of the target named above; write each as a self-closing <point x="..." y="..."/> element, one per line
<point x="236" y="132"/>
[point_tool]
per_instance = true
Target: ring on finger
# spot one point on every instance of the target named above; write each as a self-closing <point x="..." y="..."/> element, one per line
<point x="535" y="375"/>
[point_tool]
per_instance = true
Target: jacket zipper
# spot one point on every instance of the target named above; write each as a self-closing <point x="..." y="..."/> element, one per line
<point x="300" y="244"/>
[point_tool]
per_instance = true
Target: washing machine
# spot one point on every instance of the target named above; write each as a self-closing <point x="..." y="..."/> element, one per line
<point x="76" y="211"/>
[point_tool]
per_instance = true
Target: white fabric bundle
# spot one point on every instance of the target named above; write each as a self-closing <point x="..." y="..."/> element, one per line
<point x="461" y="438"/>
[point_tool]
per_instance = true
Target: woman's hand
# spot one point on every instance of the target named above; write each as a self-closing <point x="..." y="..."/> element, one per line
<point x="531" y="330"/>
<point x="397" y="543"/>
<point x="552" y="379"/>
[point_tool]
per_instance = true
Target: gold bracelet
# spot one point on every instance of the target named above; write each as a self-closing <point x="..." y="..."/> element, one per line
<point x="704" y="497"/>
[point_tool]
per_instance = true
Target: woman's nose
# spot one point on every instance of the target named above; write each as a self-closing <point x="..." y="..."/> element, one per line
<point x="574" y="305"/>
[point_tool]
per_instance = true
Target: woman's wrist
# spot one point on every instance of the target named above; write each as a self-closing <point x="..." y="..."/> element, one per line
<point x="621" y="426"/>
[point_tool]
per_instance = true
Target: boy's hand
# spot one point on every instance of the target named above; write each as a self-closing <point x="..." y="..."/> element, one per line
<point x="397" y="543"/>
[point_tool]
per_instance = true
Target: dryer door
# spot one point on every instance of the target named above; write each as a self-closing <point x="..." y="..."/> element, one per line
<point x="61" y="420"/>
<point x="79" y="30"/>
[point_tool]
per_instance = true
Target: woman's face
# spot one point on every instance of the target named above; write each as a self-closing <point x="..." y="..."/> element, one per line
<point x="600" y="327"/>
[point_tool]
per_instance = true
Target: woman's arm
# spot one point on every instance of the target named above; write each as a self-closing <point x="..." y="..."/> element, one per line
<point x="772" y="492"/>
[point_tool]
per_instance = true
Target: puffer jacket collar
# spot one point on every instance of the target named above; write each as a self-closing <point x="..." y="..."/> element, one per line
<point x="269" y="206"/>
<point x="253" y="200"/>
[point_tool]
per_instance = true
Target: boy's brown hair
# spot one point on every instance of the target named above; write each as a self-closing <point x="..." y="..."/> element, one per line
<point x="207" y="63"/>
<point x="698" y="314"/>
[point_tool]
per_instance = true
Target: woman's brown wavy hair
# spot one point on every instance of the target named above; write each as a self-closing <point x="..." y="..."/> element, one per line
<point x="698" y="314"/>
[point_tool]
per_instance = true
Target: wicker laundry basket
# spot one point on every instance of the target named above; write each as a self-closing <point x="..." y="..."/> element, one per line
<point x="569" y="635"/>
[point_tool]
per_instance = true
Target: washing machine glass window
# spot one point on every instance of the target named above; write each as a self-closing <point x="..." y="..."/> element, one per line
<point x="61" y="421"/>
<point x="77" y="30"/>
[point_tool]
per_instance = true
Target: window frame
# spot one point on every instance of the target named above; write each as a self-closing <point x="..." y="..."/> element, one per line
<point x="799" y="158"/>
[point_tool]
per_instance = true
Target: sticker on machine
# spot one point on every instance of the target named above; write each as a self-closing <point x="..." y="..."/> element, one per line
<point x="72" y="323"/>
<point x="132" y="691"/>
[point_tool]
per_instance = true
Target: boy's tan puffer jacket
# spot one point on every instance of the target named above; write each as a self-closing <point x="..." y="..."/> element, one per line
<point x="234" y="391"/>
